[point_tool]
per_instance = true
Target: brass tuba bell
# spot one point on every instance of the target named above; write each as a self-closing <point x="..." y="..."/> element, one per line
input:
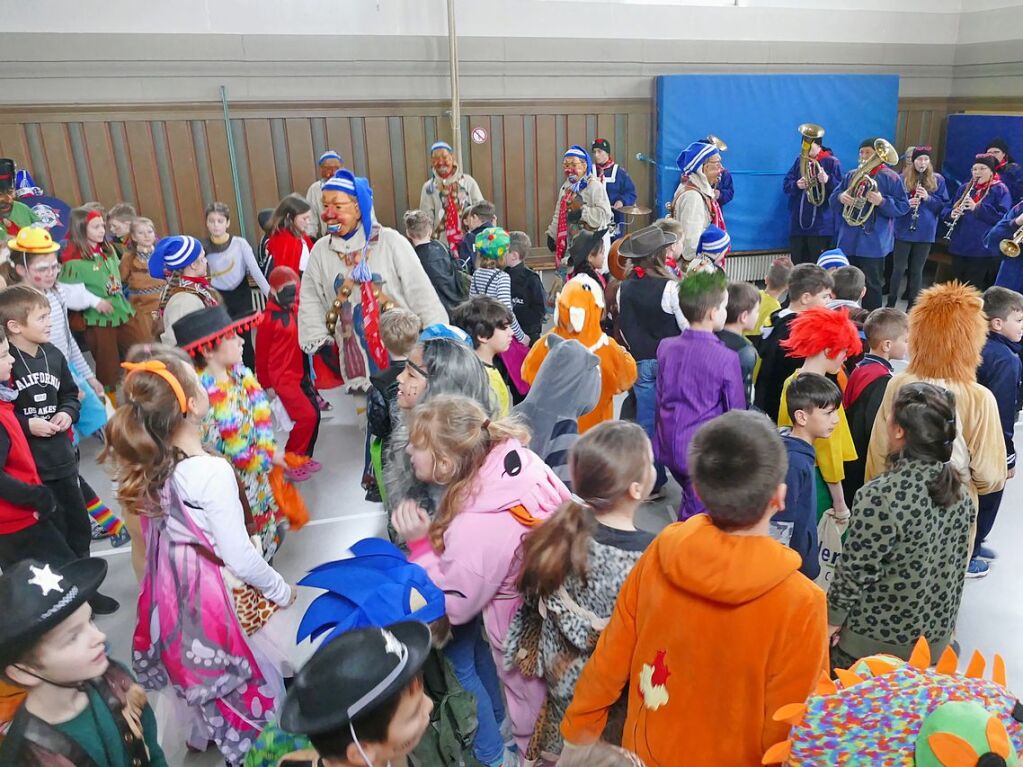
<point x="861" y="184"/>
<point x="815" y="192"/>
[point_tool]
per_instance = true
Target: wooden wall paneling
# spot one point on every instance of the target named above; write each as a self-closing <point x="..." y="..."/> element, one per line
<point x="339" y="137"/>
<point x="529" y="175"/>
<point x="914" y="121"/>
<point x="185" y="172"/>
<point x="417" y="162"/>
<point x="259" y="145"/>
<point x="514" y="173"/>
<point x="576" y="127"/>
<point x="100" y="153"/>
<point x="300" y="155"/>
<point x="639" y="139"/>
<point x="606" y="129"/>
<point x="13" y="144"/>
<point x="220" y="166"/>
<point x="378" y="159"/>
<point x="482" y="162"/>
<point x="548" y="164"/>
<point x="143" y="167"/>
<point x="63" y="177"/>
<point x="399" y="178"/>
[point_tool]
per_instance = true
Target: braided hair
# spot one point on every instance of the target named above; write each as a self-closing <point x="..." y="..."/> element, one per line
<point x="927" y="415"/>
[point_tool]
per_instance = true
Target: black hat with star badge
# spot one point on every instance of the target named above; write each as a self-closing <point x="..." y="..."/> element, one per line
<point x="36" y="597"/>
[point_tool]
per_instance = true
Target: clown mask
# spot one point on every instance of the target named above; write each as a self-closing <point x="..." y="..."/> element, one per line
<point x="575" y="168"/>
<point x="712" y="169"/>
<point x="443" y="162"/>
<point x="329" y="167"/>
<point x="340" y="212"/>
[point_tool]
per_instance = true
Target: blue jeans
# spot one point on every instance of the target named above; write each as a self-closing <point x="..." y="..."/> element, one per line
<point x="645" y="391"/>
<point x="474" y="666"/>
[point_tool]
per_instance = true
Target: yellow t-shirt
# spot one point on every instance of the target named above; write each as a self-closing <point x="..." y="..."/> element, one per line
<point x="833" y="451"/>
<point x="768" y="306"/>
<point x="502" y="394"/>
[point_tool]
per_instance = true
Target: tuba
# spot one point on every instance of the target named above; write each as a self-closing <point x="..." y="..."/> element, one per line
<point x="816" y="194"/>
<point x="861" y="184"/>
<point x="1011" y="248"/>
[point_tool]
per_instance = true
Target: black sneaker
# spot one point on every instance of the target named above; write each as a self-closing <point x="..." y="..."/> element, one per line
<point x="103" y="605"/>
<point x="373" y="495"/>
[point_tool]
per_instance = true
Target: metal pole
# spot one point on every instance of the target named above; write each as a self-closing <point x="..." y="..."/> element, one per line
<point x="456" y="112"/>
<point x="234" y="164"/>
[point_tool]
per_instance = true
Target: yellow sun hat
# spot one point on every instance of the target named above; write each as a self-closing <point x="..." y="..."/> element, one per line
<point x="33" y="239"/>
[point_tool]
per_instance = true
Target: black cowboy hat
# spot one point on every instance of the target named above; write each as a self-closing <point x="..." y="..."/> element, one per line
<point x="8" y="170"/>
<point x="201" y="330"/>
<point x="354" y="674"/>
<point x="584" y="243"/>
<point x="645" y="242"/>
<point x="36" y="597"/>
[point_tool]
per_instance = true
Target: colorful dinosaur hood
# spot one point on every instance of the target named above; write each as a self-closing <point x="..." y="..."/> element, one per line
<point x="885" y="712"/>
<point x="947" y="331"/>
<point x="580" y="306"/>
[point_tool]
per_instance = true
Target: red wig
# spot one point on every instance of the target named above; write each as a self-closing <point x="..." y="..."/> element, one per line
<point x="820" y="329"/>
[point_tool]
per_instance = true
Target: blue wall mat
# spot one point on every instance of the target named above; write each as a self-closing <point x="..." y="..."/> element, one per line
<point x="968" y="136"/>
<point x="757" y="116"/>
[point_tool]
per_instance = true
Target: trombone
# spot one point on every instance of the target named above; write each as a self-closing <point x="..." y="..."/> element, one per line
<point x="809" y="167"/>
<point x="861" y="184"/>
<point x="1011" y="247"/>
<point x="958" y="208"/>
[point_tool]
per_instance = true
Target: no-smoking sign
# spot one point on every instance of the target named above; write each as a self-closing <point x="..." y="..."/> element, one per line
<point x="479" y="135"/>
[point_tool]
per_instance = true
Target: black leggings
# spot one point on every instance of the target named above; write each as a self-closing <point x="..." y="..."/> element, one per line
<point x="979" y="271"/>
<point x="911" y="255"/>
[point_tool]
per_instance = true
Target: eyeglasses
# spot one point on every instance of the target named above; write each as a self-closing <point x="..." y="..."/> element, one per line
<point x="47" y="269"/>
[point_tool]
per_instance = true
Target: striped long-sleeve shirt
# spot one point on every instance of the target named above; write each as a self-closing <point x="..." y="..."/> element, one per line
<point x="63" y="297"/>
<point x="497" y="284"/>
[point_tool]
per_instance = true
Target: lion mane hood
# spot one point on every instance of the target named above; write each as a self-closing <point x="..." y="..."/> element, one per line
<point x="947" y="331"/>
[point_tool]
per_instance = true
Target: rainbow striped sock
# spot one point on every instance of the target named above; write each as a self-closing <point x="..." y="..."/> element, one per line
<point x="101" y="514"/>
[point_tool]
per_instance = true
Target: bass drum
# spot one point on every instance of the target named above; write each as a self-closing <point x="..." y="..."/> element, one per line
<point x="616" y="264"/>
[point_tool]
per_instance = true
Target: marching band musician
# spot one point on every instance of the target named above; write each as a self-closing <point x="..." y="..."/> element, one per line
<point x="617" y="183"/>
<point x="695" y="206"/>
<point x="811" y="228"/>
<point x="978" y="205"/>
<point x="448" y="195"/>
<point x="869" y="244"/>
<point x="1010" y="273"/>
<point x="1008" y="170"/>
<point x="582" y="204"/>
<point x="916" y="231"/>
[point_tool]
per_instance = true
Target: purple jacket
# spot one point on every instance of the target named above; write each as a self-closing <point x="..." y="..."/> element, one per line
<point x="698" y="378"/>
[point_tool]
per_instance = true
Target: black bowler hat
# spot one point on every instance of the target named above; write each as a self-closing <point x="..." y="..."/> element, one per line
<point x="583" y="244"/>
<point x="645" y="242"/>
<point x="201" y="330"/>
<point x="354" y="674"/>
<point x="35" y="598"/>
<point x="8" y="170"/>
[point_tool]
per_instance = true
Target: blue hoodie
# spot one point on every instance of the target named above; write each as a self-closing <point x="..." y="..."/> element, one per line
<point x="798" y="520"/>
<point x="1000" y="371"/>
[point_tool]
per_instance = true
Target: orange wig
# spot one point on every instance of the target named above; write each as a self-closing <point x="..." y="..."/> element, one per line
<point x="819" y="329"/>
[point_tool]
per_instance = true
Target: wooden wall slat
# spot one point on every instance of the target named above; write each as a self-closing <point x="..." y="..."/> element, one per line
<point x="185" y="173"/>
<point x="482" y="162"/>
<point x="143" y="166"/>
<point x="101" y="161"/>
<point x="57" y="147"/>
<point x="220" y="164"/>
<point x="548" y="174"/>
<point x="339" y="137"/>
<point x="14" y="145"/>
<point x="514" y="173"/>
<point x="576" y="125"/>
<point x="638" y="131"/>
<point x="300" y="155"/>
<point x="606" y="129"/>
<point x="914" y="119"/>
<point x="378" y="157"/>
<point x="261" y="168"/>
<point x="417" y="163"/>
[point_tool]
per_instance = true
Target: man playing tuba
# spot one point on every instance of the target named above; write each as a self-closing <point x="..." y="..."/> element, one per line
<point x="811" y="224"/>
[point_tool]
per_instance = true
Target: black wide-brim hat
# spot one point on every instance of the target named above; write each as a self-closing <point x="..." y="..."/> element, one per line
<point x="354" y="674"/>
<point x="584" y="243"/>
<point x="646" y="241"/>
<point x="8" y="170"/>
<point x="36" y="597"/>
<point x="199" y="331"/>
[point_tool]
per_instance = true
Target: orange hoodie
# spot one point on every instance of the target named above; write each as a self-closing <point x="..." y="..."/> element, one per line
<point x="712" y="633"/>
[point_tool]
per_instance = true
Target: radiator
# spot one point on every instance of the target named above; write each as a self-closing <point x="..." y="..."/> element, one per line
<point x="750" y="268"/>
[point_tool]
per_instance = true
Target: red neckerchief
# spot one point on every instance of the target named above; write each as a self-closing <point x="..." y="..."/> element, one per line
<point x="639" y="271"/>
<point x="204" y="281"/>
<point x="452" y="216"/>
<point x="12" y="228"/>
<point x="561" y="241"/>
<point x="876" y="170"/>
<point x="980" y="190"/>
<point x="822" y="154"/>
<point x="606" y="166"/>
<point x="1001" y="165"/>
<point x="713" y="208"/>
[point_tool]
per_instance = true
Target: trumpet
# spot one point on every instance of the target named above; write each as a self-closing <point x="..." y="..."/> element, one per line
<point x="957" y="209"/>
<point x="809" y="167"/>
<point x="858" y="212"/>
<point x="1011" y="248"/>
<point x="916" y="211"/>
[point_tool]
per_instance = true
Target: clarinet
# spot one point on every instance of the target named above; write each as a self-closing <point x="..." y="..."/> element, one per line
<point x="916" y="211"/>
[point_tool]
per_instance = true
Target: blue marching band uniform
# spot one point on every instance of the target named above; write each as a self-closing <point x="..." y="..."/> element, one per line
<point x="1010" y="273"/>
<point x="811" y="227"/>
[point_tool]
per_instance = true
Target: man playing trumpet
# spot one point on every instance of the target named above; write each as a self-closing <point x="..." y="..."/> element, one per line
<point x="866" y="229"/>
<point x="978" y="205"/>
<point x="811" y="223"/>
<point x="1006" y="237"/>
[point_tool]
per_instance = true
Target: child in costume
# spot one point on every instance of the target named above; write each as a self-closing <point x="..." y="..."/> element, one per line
<point x="887" y="335"/>
<point x="181" y="260"/>
<point x="580" y="305"/>
<point x="143" y="289"/>
<point x="81" y="708"/>
<point x="91" y="261"/>
<point x="495" y="491"/>
<point x="823" y="339"/>
<point x="118" y="221"/>
<point x="573" y="567"/>
<point x="1000" y="371"/>
<point x="289" y="244"/>
<point x="238" y="424"/>
<point x="911" y="534"/>
<point x="208" y="623"/>
<point x="714" y="628"/>
<point x="281" y="368"/>
<point x="947" y="332"/>
<point x="489" y="323"/>
<point x="489" y="278"/>
<point x="740" y="317"/>
<point x="698" y="379"/>
<point x="566" y="387"/>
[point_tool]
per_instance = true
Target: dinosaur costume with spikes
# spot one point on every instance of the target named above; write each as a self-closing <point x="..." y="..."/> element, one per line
<point x="886" y="712"/>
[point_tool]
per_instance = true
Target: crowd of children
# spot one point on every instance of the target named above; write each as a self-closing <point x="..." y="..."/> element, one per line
<point x="506" y="478"/>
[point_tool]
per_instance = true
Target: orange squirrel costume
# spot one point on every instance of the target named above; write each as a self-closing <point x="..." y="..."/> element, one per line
<point x="580" y="305"/>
